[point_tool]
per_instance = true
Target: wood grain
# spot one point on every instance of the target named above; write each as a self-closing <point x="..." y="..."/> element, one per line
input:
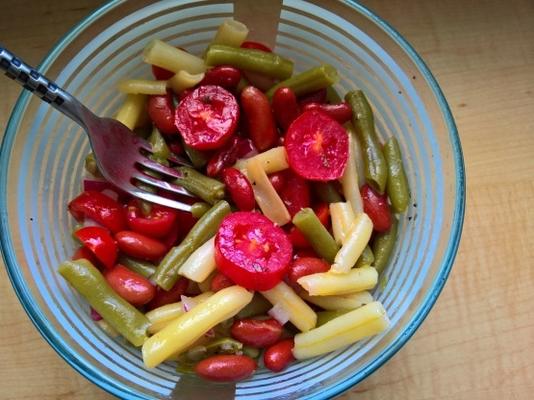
<point x="478" y="342"/>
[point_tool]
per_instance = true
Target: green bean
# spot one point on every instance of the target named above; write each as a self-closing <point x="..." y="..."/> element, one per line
<point x="376" y="171"/>
<point x="120" y="314"/>
<point x="308" y="81"/>
<point x="208" y="189"/>
<point x="199" y="209"/>
<point x="166" y="273"/>
<point x="91" y="165"/>
<point x="197" y="158"/>
<point x="326" y="316"/>
<point x="367" y="258"/>
<point x="160" y="150"/>
<point x="327" y="192"/>
<point x="320" y="239"/>
<point x="268" y="64"/>
<point x="383" y="244"/>
<point x="397" y="185"/>
<point x="332" y="96"/>
<point x="251" y="352"/>
<point x="143" y="268"/>
<point x="258" y="306"/>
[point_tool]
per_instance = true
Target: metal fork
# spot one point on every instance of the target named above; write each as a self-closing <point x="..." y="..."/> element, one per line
<point x="120" y="154"/>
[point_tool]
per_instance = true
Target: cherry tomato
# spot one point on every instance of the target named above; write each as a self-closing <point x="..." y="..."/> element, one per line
<point x="317" y="147"/>
<point x="319" y="96"/>
<point x="161" y="74"/>
<point x="285" y="107"/>
<point x="377" y="208"/>
<point x="257" y="333"/>
<point x="161" y="112"/>
<point x="239" y="188"/>
<point x="226" y="368"/>
<point x="100" y="208"/>
<point x="100" y="242"/>
<point x="220" y="282"/>
<point x="236" y="148"/>
<point x="207" y="118"/>
<point x="303" y="266"/>
<point x="132" y="287"/>
<point x="249" y="44"/>
<point x="157" y="224"/>
<point x="163" y="297"/>
<point x="295" y="193"/>
<point x="140" y="246"/>
<point x="84" y="252"/>
<point x="222" y="75"/>
<point x="341" y="112"/>
<point x="278" y="180"/>
<point x="259" y="118"/>
<point x="279" y="355"/>
<point x="252" y="251"/>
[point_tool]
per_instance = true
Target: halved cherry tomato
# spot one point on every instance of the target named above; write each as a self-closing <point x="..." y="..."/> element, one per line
<point x="219" y="282"/>
<point x="226" y="368"/>
<point x="237" y="147"/>
<point x="100" y="208"/>
<point x="377" y="208"/>
<point x="250" y="44"/>
<point x="317" y="146"/>
<point x="319" y="96"/>
<point x="132" y="287"/>
<point x="84" y="252"/>
<point x="278" y="180"/>
<point x="252" y="251"/>
<point x="207" y="118"/>
<point x="140" y="246"/>
<point x="259" y="118"/>
<point x="222" y="75"/>
<point x="341" y="112"/>
<point x="303" y="266"/>
<point x="295" y="193"/>
<point x="257" y="333"/>
<point x="296" y="237"/>
<point x="161" y="112"/>
<point x="161" y="74"/>
<point x="239" y="188"/>
<point x="163" y="297"/>
<point x="279" y="355"/>
<point x="157" y="224"/>
<point x="285" y="107"/>
<point x="100" y="242"/>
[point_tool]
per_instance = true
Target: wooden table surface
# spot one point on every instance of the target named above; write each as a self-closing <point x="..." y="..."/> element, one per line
<point x="478" y="342"/>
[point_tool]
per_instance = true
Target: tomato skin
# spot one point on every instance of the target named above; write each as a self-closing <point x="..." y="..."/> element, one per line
<point x="140" y="246"/>
<point x="161" y="112"/>
<point x="163" y="297"/>
<point x="377" y="208"/>
<point x="257" y="333"/>
<point x="250" y="44"/>
<point x="157" y="224"/>
<point x="285" y="107"/>
<point x="319" y="96"/>
<point x="237" y="147"/>
<point x="225" y="76"/>
<point x="295" y="193"/>
<point x="207" y="117"/>
<point x="239" y="188"/>
<point x="252" y="251"/>
<point x="84" y="252"/>
<point x="161" y="74"/>
<point x="259" y="118"/>
<point x="220" y="282"/>
<point x="278" y="356"/>
<point x="100" y="208"/>
<point x="226" y="368"/>
<point x="340" y="112"/>
<point x="132" y="287"/>
<point x="303" y="266"/>
<point x="100" y="243"/>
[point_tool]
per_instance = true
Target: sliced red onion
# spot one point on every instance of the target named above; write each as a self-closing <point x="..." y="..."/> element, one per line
<point x="279" y="313"/>
<point x="187" y="303"/>
<point x="111" y="193"/>
<point x="95" y="316"/>
<point x="210" y="334"/>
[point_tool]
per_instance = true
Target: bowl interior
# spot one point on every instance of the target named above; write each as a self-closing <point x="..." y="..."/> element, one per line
<point x="43" y="153"/>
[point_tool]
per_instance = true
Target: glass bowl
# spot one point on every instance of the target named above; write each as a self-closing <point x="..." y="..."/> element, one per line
<point x="43" y="152"/>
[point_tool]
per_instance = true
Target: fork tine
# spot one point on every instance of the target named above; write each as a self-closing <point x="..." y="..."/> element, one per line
<point x="162" y="184"/>
<point x="157" y="167"/>
<point x="153" y="198"/>
<point x="143" y="144"/>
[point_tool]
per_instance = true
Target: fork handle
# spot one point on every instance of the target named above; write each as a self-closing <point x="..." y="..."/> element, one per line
<point x="48" y="91"/>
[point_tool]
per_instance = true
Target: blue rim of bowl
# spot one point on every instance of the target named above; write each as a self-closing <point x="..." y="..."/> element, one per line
<point x="120" y="390"/>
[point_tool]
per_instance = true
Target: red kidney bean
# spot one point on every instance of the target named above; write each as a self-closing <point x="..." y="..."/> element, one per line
<point x="140" y="246"/>
<point x="239" y="188"/>
<point x="257" y="333"/>
<point x="163" y="297"/>
<point x="161" y="112"/>
<point x="377" y="208"/>
<point x="220" y="282"/>
<point x="132" y="287"/>
<point x="278" y="180"/>
<point x="176" y="147"/>
<point x="318" y="96"/>
<point x="296" y="237"/>
<point x="340" y="112"/>
<point x="226" y="368"/>
<point x="222" y="75"/>
<point x="249" y="44"/>
<point x="259" y="118"/>
<point x="285" y="107"/>
<point x="161" y="74"/>
<point x="278" y="356"/>
<point x="296" y="193"/>
<point x="303" y="266"/>
<point x="237" y="147"/>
